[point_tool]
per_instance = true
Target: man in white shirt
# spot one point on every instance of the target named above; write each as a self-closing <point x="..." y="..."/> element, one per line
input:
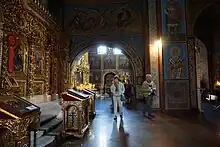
<point x="117" y="89"/>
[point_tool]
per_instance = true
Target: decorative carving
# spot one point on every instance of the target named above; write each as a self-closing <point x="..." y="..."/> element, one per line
<point x="14" y="132"/>
<point x="23" y="86"/>
<point x="38" y="87"/>
<point x="36" y="34"/>
<point x="76" y="116"/>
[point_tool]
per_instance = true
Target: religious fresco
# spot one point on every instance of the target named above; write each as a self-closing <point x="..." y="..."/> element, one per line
<point x="109" y="61"/>
<point x="17" y="55"/>
<point x="96" y="77"/>
<point x="173" y="20"/>
<point x="95" y="61"/>
<point x="175" y="61"/>
<point x="111" y="18"/>
<point x="124" y="62"/>
<point x="13" y="52"/>
<point x="38" y="61"/>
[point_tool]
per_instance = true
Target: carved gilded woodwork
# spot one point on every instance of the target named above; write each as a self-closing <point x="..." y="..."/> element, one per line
<point x="15" y="131"/>
<point x="38" y="88"/>
<point x="54" y="75"/>
<point x="75" y="117"/>
<point x="47" y="72"/>
<point x="37" y="33"/>
<point x="23" y="86"/>
<point x="1" y="43"/>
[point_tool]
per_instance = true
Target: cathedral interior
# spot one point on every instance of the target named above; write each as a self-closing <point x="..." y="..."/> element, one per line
<point x="58" y="59"/>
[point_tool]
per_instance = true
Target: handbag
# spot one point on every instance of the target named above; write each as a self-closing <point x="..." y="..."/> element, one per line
<point x="123" y="97"/>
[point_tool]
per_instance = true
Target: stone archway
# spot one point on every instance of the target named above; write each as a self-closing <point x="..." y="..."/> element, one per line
<point x="1" y="36"/>
<point x="202" y="73"/>
<point x="127" y="50"/>
<point x="206" y="53"/>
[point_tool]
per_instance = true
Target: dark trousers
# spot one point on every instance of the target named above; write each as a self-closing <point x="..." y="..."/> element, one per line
<point x="148" y="101"/>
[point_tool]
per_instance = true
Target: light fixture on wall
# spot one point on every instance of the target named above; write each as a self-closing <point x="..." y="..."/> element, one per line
<point x="157" y="46"/>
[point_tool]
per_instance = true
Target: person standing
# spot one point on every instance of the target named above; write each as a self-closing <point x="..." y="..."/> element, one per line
<point x="128" y="91"/>
<point x="148" y="90"/>
<point x="117" y="89"/>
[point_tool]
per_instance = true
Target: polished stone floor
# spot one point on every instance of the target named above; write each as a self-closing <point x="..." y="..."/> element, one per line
<point x="137" y="131"/>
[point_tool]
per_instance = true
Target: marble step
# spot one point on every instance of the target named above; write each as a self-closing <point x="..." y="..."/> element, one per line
<point x="44" y="119"/>
<point x="44" y="141"/>
<point x="38" y="135"/>
<point x="56" y="131"/>
<point x="50" y="126"/>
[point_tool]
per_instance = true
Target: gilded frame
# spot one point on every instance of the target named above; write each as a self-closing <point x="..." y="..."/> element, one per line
<point x="24" y="48"/>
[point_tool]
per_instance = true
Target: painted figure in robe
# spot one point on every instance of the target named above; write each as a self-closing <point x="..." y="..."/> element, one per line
<point x="13" y="42"/>
<point x="176" y="66"/>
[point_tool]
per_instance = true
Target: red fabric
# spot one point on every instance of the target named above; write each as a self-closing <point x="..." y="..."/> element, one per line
<point x="11" y="53"/>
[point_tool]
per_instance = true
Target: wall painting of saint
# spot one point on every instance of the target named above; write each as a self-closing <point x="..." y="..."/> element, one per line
<point x="173" y="20"/>
<point x="15" y="54"/>
<point x="175" y="61"/>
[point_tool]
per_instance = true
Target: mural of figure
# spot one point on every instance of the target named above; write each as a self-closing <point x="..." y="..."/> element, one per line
<point x="18" y="61"/>
<point x="123" y="18"/>
<point x="83" y="21"/>
<point x="109" y="61"/>
<point x="13" y="44"/>
<point x="175" y="64"/>
<point x="174" y="16"/>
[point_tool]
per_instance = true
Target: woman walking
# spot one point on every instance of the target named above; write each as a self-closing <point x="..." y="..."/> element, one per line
<point x="117" y="90"/>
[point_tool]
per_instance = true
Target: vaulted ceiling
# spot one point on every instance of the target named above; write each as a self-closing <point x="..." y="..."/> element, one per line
<point x="98" y="1"/>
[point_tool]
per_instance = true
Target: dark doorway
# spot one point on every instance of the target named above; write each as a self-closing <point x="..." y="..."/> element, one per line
<point x="108" y="78"/>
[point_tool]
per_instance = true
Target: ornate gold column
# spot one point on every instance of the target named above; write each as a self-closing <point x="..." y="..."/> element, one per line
<point x="54" y="78"/>
<point x="1" y="46"/>
<point x="47" y="72"/>
<point x="30" y="72"/>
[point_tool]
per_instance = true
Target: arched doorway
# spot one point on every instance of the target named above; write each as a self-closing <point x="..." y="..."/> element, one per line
<point x="108" y="78"/>
<point x="136" y="63"/>
<point x="207" y="31"/>
<point x="1" y="37"/>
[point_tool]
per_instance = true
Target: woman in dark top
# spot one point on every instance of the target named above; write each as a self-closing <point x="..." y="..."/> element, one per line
<point x="128" y="91"/>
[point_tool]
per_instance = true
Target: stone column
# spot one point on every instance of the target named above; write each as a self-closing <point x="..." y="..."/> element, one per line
<point x="154" y="50"/>
<point x="175" y="58"/>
